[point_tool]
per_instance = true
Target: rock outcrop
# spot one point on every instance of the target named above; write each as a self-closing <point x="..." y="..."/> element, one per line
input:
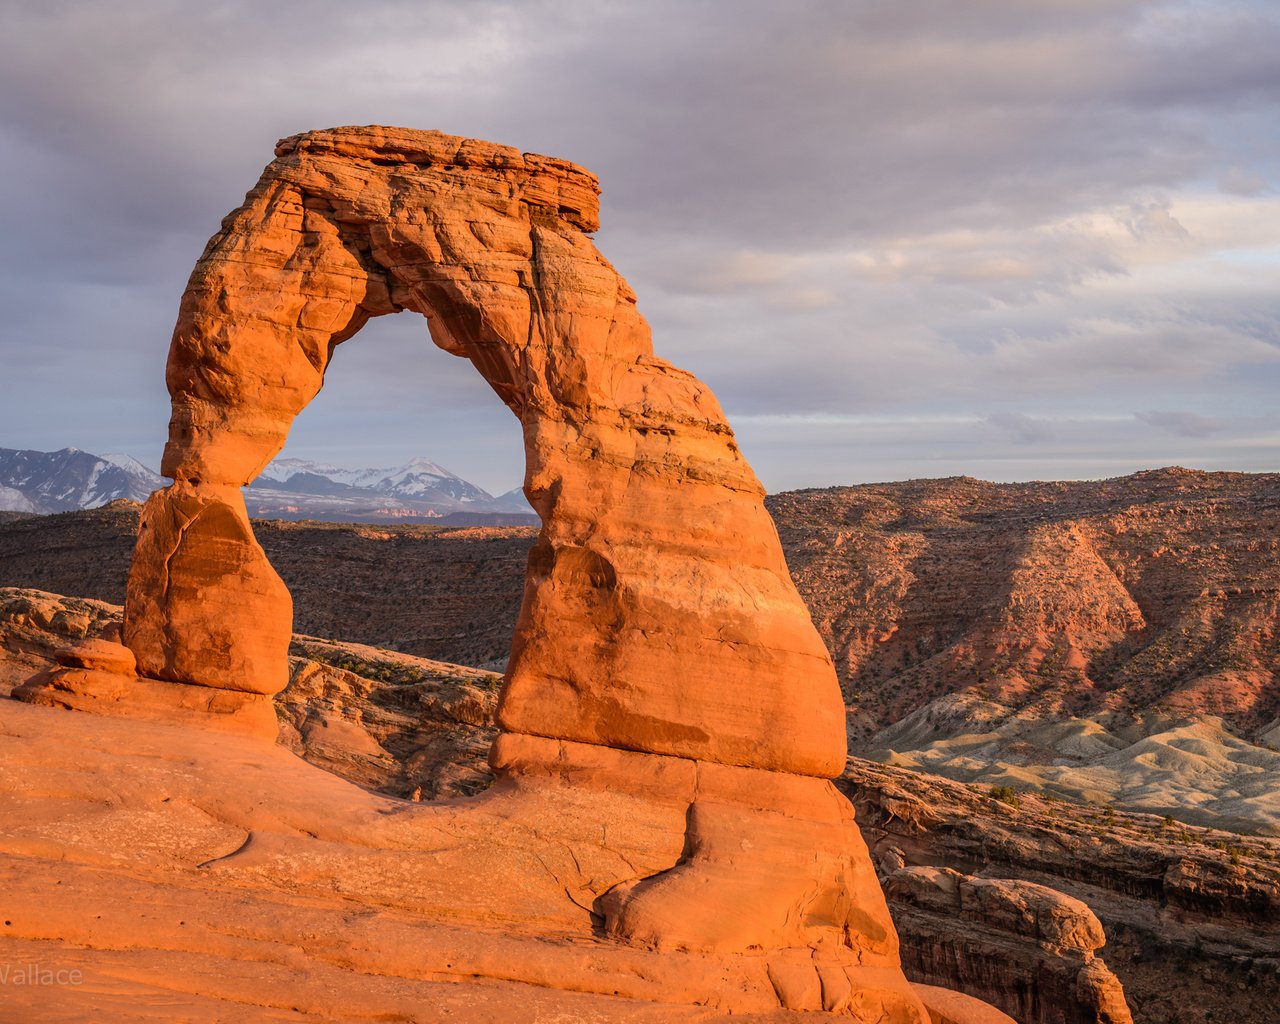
<point x="656" y="562"/>
<point x="1037" y="960"/>
<point x="1191" y="916"/>
<point x="670" y="719"/>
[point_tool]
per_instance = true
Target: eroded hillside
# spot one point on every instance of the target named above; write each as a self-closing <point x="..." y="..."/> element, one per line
<point x="1158" y="591"/>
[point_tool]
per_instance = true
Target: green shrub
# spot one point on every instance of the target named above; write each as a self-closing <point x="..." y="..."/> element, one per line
<point x="1005" y="794"/>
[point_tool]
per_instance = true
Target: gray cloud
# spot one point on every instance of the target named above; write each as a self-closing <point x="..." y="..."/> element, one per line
<point x="902" y="209"/>
<point x="1020" y="427"/>
<point x="1242" y="183"/>
<point x="1181" y="424"/>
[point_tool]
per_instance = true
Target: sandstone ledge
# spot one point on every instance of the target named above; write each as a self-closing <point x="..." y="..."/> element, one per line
<point x="174" y="851"/>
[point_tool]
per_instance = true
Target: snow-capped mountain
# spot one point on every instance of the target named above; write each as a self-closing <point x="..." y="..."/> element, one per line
<point x="420" y="489"/>
<point x="419" y="478"/>
<point x="70" y="479"/>
<point x="14" y="501"/>
<point x="512" y="501"/>
<point x="44" y="482"/>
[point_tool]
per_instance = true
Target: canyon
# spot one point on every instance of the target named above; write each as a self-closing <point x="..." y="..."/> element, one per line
<point x="1111" y="641"/>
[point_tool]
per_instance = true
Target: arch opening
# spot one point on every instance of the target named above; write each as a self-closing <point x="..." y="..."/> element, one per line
<point x="386" y="401"/>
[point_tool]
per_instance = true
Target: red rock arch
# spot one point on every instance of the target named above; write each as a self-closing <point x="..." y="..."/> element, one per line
<point x="658" y="612"/>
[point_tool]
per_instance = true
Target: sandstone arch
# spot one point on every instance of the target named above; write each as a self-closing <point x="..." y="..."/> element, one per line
<point x="670" y="720"/>
<point x="658" y="612"/>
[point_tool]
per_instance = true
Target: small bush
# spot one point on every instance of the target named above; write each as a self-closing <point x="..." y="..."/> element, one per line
<point x="1005" y="794"/>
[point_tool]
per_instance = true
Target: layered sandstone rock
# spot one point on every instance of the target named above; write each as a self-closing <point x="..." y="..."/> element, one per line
<point x="1192" y="916"/>
<point x="658" y="612"/>
<point x="670" y="719"/>
<point x="1158" y="591"/>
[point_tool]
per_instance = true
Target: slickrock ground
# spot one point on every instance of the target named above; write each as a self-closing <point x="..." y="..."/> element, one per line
<point x="162" y="890"/>
<point x="198" y="876"/>
<point x="1192" y="916"/>
<point x="1111" y="641"/>
<point x="404" y="726"/>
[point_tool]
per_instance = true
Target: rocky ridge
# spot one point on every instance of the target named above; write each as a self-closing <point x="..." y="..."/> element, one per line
<point x="1156" y="592"/>
<point x="1112" y="640"/>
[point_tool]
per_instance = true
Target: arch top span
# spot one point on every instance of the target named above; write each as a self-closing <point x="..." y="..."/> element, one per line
<point x="543" y="182"/>
<point x="658" y="615"/>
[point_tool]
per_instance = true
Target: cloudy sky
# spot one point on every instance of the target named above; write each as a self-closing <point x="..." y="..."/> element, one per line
<point x="899" y="238"/>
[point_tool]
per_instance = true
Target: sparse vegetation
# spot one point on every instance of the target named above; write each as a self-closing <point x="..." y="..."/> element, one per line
<point x="1005" y="794"/>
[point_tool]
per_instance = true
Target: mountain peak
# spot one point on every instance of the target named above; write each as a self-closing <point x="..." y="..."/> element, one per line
<point x="69" y="479"/>
<point x="421" y="488"/>
<point x="424" y="465"/>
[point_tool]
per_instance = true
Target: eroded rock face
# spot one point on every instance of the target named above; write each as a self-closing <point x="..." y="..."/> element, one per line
<point x="658" y="612"/>
<point x="204" y="604"/>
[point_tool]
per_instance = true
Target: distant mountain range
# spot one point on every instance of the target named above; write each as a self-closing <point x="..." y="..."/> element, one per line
<point x="70" y="479"/>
